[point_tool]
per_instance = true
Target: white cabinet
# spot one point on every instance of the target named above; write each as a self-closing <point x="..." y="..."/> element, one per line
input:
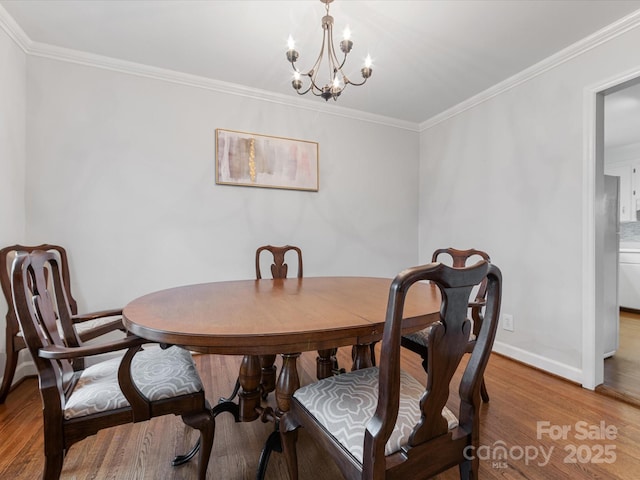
<point x="635" y="192"/>
<point x="629" y="173"/>
<point x="629" y="280"/>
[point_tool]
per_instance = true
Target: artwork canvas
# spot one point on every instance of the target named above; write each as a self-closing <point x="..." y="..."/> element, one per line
<point x="250" y="159"/>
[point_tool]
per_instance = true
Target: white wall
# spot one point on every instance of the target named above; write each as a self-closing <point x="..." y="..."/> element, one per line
<point x="12" y="154"/>
<point x="506" y="176"/>
<point x="121" y="172"/>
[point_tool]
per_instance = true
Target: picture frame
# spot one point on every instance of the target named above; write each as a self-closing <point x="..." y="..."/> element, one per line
<point x="254" y="160"/>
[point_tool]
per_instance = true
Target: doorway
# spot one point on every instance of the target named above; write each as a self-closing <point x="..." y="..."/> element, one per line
<point x="622" y="159"/>
<point x="597" y="131"/>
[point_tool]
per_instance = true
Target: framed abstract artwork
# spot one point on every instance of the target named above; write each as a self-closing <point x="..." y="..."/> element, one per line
<point x="253" y="160"/>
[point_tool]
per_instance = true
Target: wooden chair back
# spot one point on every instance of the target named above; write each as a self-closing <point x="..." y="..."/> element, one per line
<point x="447" y="344"/>
<point x="14" y="340"/>
<point x="462" y="258"/>
<point x="279" y="269"/>
<point x="34" y="293"/>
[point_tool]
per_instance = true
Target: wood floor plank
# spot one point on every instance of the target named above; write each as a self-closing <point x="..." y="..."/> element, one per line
<point x="622" y="370"/>
<point x="520" y="398"/>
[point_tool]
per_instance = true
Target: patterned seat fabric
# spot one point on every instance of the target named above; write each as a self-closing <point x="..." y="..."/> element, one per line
<point x="157" y="373"/>
<point x="420" y="337"/>
<point x="345" y="403"/>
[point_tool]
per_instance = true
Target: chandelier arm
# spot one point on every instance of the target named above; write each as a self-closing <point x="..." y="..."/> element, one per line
<point x="344" y="60"/>
<point x="305" y="92"/>
<point x="314" y="86"/>
<point x="357" y="84"/>
<point x="313" y="72"/>
<point x="331" y="55"/>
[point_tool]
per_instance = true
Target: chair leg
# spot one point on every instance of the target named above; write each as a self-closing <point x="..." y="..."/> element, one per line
<point x="288" y="440"/>
<point x="205" y="422"/>
<point x="425" y="364"/>
<point x="483" y="392"/>
<point x="53" y="466"/>
<point x="466" y="470"/>
<point x="9" y="371"/>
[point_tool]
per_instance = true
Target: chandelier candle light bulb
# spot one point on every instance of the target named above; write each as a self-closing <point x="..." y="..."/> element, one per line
<point x="366" y="70"/>
<point x="333" y="88"/>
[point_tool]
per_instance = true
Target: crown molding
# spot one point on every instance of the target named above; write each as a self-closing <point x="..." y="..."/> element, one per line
<point x="603" y="35"/>
<point x="37" y="49"/>
<point x="15" y="32"/>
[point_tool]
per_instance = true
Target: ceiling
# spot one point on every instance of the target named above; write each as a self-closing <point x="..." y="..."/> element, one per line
<point x="428" y="55"/>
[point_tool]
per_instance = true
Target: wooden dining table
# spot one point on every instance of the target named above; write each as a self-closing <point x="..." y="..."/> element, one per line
<point x="277" y="316"/>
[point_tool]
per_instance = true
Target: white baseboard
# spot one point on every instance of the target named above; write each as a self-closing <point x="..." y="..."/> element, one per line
<point x="24" y="369"/>
<point x="543" y="363"/>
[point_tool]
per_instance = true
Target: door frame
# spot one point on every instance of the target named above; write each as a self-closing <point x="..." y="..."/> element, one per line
<point x="593" y="227"/>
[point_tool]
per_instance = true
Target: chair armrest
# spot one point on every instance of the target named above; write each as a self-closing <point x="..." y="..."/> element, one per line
<point x="85" y="317"/>
<point x="55" y="352"/>
<point x="101" y="329"/>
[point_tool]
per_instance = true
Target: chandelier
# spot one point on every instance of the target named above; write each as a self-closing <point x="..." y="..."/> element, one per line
<point x="337" y="81"/>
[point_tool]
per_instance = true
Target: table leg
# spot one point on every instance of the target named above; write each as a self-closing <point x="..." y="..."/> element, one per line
<point x="361" y="357"/>
<point x="288" y="382"/>
<point x="268" y="378"/>
<point x="249" y="396"/>
<point x="324" y="364"/>
<point x="327" y="364"/>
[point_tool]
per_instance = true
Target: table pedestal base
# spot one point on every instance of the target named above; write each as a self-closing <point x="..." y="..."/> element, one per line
<point x="248" y="407"/>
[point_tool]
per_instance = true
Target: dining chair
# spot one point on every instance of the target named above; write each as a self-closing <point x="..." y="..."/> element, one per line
<point x="140" y="384"/>
<point x="87" y="326"/>
<point x="382" y="423"/>
<point x="417" y="341"/>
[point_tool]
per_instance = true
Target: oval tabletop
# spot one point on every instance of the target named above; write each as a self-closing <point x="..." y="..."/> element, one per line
<point x="260" y="317"/>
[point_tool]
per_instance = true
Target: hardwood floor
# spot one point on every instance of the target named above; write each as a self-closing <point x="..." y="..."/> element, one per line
<point x="622" y="371"/>
<point x="520" y="398"/>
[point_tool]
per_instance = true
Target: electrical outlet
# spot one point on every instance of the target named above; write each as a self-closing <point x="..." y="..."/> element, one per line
<point x="507" y="322"/>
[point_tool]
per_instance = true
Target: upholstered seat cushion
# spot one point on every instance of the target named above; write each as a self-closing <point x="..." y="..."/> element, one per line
<point x="344" y="404"/>
<point x="156" y="372"/>
<point x="420" y="337"/>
